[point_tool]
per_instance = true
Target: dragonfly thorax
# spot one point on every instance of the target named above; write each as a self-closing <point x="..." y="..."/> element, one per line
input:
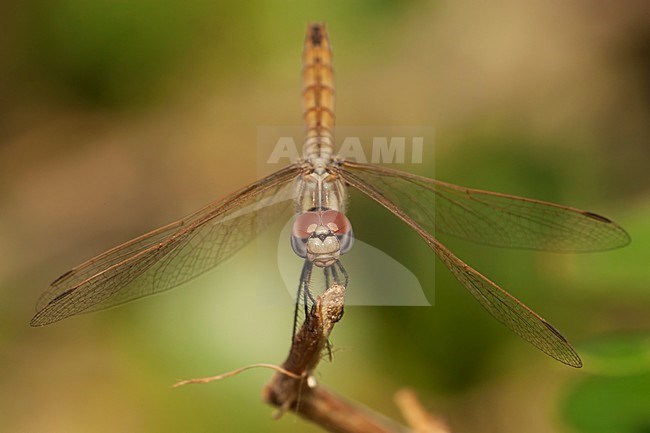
<point x="321" y="236"/>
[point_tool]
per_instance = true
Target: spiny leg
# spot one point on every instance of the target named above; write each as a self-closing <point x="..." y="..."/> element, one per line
<point x="295" y="310"/>
<point x="306" y="291"/>
<point x="302" y="288"/>
<point x="344" y="273"/>
<point x="305" y="304"/>
<point x="335" y="274"/>
<point x="328" y="277"/>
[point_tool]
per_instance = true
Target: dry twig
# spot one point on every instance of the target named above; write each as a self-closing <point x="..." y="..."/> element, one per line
<point x="293" y="387"/>
<point x="304" y="396"/>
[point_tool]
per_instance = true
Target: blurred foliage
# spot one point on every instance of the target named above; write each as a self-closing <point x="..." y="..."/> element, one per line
<point x="615" y="397"/>
<point x="120" y="53"/>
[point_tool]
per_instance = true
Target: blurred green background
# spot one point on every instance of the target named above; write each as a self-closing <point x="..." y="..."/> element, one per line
<point x="117" y="117"/>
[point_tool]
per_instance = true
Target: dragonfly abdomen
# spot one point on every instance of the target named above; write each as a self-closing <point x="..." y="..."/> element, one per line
<point x="318" y="97"/>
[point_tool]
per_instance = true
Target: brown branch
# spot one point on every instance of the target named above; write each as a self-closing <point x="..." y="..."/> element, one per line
<point x="304" y="396"/>
<point x="294" y="388"/>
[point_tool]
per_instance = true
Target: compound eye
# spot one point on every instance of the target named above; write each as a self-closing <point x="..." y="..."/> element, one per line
<point x="305" y="224"/>
<point x="299" y="246"/>
<point x="336" y="221"/>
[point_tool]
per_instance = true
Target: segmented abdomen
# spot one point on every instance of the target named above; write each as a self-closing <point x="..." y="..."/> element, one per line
<point x="318" y="94"/>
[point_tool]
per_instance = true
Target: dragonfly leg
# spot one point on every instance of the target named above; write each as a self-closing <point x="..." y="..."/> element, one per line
<point x="329" y="349"/>
<point x="302" y="296"/>
<point x="295" y="312"/>
<point x="305" y="303"/>
<point x="307" y="297"/>
<point x="305" y="275"/>
<point x="336" y="277"/>
<point x="328" y="277"/>
<point x="346" y="278"/>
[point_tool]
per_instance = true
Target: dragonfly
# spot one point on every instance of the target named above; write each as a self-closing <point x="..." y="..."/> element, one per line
<point x="315" y="189"/>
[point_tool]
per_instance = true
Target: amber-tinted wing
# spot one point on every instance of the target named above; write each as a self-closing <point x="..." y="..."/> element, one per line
<point x="508" y="220"/>
<point x="170" y="255"/>
<point x="492" y="218"/>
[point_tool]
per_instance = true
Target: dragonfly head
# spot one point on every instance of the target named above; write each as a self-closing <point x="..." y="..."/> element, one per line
<point x="323" y="247"/>
<point x="321" y="236"/>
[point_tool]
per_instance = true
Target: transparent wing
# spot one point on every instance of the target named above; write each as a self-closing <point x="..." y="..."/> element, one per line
<point x="501" y="305"/>
<point x="489" y="217"/>
<point x="170" y="255"/>
<point x="507" y="309"/>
